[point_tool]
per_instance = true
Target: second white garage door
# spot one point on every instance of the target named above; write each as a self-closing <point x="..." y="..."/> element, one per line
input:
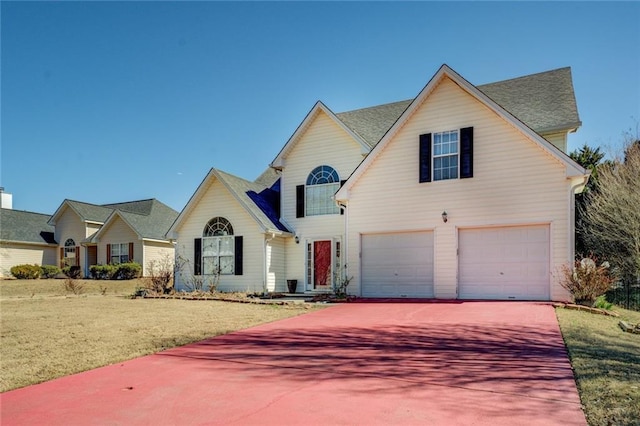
<point x="397" y="265"/>
<point x="504" y="263"/>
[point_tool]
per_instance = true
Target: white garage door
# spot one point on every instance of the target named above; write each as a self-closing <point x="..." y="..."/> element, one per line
<point x="397" y="265"/>
<point x="504" y="263"/>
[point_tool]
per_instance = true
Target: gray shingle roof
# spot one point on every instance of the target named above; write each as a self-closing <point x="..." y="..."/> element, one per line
<point x="268" y="177"/>
<point x="149" y="218"/>
<point x="18" y="225"/>
<point x="544" y="101"/>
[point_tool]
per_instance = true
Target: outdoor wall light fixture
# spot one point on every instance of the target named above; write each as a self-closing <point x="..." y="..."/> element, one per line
<point x="445" y="216"/>
<point x="297" y="240"/>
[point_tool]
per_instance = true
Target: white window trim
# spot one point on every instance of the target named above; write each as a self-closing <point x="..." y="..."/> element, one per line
<point x="336" y="263"/>
<point x="434" y="156"/>
<point x="217" y="241"/>
<point x="121" y="253"/>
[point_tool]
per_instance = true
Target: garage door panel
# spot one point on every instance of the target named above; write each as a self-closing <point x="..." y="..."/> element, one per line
<point x="504" y="263"/>
<point x="397" y="265"/>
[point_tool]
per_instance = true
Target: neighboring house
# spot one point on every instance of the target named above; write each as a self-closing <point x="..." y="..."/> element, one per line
<point x="25" y="237"/>
<point x="90" y="234"/>
<point x="463" y="192"/>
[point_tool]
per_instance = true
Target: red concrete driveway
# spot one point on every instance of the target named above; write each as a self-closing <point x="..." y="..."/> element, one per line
<point x="472" y="363"/>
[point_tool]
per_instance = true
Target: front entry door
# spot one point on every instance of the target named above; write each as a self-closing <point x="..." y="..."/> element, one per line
<point x="321" y="265"/>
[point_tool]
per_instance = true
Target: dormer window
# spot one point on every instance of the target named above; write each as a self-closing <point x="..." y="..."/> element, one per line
<point x="322" y="184"/>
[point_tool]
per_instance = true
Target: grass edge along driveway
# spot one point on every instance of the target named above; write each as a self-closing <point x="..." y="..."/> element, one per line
<point x="606" y="364"/>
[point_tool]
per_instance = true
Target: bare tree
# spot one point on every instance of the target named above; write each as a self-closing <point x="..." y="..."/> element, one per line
<point x="612" y="213"/>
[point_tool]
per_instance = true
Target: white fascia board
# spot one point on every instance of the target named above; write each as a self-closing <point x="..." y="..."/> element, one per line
<point x="279" y="161"/>
<point x="95" y="238"/>
<point x="28" y="243"/>
<point x="154" y="240"/>
<point x="172" y="233"/>
<point x="240" y="201"/>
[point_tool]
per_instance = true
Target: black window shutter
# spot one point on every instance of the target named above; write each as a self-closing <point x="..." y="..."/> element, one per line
<point x="466" y="152"/>
<point x="300" y="201"/>
<point x="238" y="255"/>
<point x="341" y="185"/>
<point x="197" y="256"/>
<point x="425" y="158"/>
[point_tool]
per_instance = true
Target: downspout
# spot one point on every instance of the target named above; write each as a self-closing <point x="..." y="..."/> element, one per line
<point x="345" y="244"/>
<point x="572" y="217"/>
<point x="267" y="239"/>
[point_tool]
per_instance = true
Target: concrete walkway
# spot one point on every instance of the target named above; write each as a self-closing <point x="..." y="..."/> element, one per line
<point x="471" y="363"/>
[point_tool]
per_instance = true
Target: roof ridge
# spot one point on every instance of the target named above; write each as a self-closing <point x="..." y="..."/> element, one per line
<point x="126" y="202"/>
<point x="375" y="106"/>
<point x="523" y="76"/>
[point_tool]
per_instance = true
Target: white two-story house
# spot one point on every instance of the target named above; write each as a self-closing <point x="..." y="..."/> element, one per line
<point x="462" y="192"/>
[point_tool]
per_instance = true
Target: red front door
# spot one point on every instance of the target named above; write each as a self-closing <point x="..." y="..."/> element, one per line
<point x="321" y="264"/>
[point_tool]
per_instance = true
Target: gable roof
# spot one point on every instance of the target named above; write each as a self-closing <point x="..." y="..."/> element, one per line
<point x="318" y="108"/>
<point x="544" y="101"/>
<point x="25" y="227"/>
<point x="149" y="219"/>
<point x="257" y="199"/>
<point x="573" y="169"/>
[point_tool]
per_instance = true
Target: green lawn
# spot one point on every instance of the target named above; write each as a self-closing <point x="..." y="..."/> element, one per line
<point x="606" y="363"/>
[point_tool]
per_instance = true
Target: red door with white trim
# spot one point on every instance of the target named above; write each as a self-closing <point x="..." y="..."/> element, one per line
<point x="321" y="264"/>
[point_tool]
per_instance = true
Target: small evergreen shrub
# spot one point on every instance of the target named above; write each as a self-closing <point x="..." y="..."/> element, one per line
<point x="72" y="271"/>
<point x="103" y="272"/>
<point x="602" y="303"/>
<point x="49" y="271"/>
<point x="25" y="272"/>
<point x="128" y="271"/>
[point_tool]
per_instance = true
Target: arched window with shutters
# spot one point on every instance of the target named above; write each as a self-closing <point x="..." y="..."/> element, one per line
<point x="69" y="253"/>
<point x="322" y="184"/>
<point x="218" y="249"/>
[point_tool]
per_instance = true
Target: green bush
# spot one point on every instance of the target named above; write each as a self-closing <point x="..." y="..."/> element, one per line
<point x="128" y="271"/>
<point x="602" y="303"/>
<point x="49" y="271"/>
<point x="103" y="272"/>
<point x="25" y="272"/>
<point x="72" y="271"/>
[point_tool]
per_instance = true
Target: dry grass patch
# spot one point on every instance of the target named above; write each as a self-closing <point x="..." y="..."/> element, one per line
<point x="50" y="334"/>
<point x="606" y="363"/>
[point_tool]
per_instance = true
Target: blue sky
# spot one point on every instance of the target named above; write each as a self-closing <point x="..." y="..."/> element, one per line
<point x="108" y="102"/>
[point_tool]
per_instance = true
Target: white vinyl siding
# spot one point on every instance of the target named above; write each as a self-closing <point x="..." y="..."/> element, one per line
<point x="324" y="142"/>
<point x="276" y="280"/>
<point x="12" y="254"/>
<point x="515" y="182"/>
<point x="157" y="251"/>
<point x="118" y="232"/>
<point x="215" y="200"/>
<point x="69" y="226"/>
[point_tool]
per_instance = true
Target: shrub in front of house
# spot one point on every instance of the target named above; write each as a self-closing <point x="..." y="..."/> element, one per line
<point x="72" y="271"/>
<point x="128" y="271"/>
<point x="25" y="272"/>
<point x="586" y="280"/>
<point x="49" y="271"/>
<point x="103" y="272"/>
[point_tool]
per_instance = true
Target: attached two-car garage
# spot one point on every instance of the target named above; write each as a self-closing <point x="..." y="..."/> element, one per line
<point x="397" y="265"/>
<point x="509" y="263"/>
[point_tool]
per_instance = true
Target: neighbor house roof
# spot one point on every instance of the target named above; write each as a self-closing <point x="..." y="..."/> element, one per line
<point x="25" y="227"/>
<point x="259" y="200"/>
<point x="149" y="219"/>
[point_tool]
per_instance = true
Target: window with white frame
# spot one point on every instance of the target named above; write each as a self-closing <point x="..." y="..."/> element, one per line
<point x="119" y="253"/>
<point x="69" y="253"/>
<point x="218" y="248"/>
<point x="322" y="184"/>
<point x="445" y="155"/>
